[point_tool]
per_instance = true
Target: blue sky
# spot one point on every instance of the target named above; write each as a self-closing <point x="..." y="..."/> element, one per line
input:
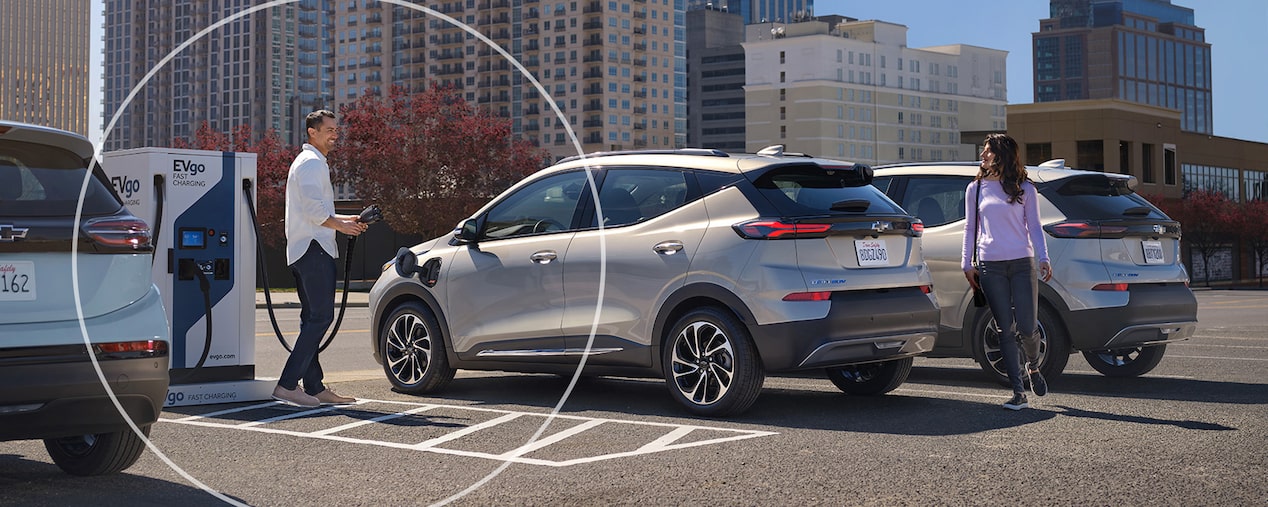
<point x="1236" y="29"/>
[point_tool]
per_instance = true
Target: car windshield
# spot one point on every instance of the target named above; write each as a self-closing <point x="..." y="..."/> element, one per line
<point x="42" y="180"/>
<point x="809" y="189"/>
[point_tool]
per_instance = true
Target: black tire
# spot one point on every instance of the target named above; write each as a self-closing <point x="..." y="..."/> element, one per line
<point x="413" y="350"/>
<point x="710" y="363"/>
<point x="871" y="379"/>
<point x="103" y="453"/>
<point x="1054" y="345"/>
<point x="1126" y="362"/>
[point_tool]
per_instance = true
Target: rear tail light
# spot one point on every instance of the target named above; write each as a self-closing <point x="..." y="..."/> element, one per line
<point x="130" y="350"/>
<point x="776" y="229"/>
<point x="1084" y="230"/>
<point x="119" y="232"/>
<point x="809" y="296"/>
<point x="918" y="227"/>
<point x="1114" y="287"/>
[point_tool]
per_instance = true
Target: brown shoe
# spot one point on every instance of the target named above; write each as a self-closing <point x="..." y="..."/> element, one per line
<point x="329" y="397"/>
<point x="295" y="397"/>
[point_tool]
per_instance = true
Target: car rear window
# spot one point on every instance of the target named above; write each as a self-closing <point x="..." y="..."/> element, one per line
<point x="42" y="180"/>
<point x="1097" y="197"/>
<point x="810" y="189"/>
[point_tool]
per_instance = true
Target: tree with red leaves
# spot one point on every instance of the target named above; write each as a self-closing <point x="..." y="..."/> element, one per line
<point x="272" y="163"/>
<point x="1252" y="217"/>
<point x="427" y="159"/>
<point x="1207" y="222"/>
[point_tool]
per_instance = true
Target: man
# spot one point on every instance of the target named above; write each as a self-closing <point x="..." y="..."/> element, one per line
<point x="311" y="223"/>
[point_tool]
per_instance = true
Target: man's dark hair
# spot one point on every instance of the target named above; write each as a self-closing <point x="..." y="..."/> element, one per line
<point x="314" y="118"/>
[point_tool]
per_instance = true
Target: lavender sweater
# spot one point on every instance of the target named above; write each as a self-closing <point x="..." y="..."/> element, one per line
<point x="1008" y="231"/>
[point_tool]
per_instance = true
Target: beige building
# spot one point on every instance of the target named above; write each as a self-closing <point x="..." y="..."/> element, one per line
<point x="843" y="88"/>
<point x="1149" y="143"/>
<point x="1145" y="141"/>
<point x="615" y="69"/>
<point x="44" y="63"/>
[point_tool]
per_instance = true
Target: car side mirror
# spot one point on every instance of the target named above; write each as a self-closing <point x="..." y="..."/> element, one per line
<point x="467" y="232"/>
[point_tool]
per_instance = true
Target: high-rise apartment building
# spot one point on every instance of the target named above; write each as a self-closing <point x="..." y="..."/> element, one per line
<point x="715" y="80"/>
<point x="44" y="63"/>
<point x="1146" y="51"/>
<point x="760" y="11"/>
<point x="266" y="69"/>
<point x="617" y="70"/>
<point x="843" y="88"/>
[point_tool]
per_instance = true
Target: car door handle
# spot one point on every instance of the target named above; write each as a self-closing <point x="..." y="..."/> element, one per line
<point x="667" y="247"/>
<point x="543" y="257"/>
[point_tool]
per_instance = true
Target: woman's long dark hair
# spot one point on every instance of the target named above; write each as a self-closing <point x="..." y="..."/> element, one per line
<point x="1006" y="165"/>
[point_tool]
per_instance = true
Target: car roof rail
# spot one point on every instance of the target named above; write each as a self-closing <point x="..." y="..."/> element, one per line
<point x="701" y="152"/>
<point x="777" y="150"/>
<point x="1056" y="163"/>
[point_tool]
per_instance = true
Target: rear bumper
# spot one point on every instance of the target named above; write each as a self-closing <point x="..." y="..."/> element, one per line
<point x="1154" y="314"/>
<point x="49" y="388"/>
<point x="861" y="327"/>
<point x="66" y="398"/>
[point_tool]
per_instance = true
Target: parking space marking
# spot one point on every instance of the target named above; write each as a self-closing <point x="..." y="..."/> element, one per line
<point x="227" y="411"/>
<point x="388" y="417"/>
<point x="467" y="431"/>
<point x="671" y="440"/>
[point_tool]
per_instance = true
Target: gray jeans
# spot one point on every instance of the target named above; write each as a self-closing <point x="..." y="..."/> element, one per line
<point x="1012" y="291"/>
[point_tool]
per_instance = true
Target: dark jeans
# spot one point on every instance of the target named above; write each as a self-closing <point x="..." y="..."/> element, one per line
<point x="315" y="284"/>
<point x="1012" y="291"/>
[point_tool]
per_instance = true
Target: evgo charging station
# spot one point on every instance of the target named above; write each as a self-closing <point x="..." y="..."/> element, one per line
<point x="204" y="264"/>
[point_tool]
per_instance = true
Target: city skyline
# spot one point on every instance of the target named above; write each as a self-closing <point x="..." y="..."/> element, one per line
<point x="1233" y="27"/>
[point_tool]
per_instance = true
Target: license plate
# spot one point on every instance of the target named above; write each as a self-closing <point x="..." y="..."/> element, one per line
<point x="871" y="252"/>
<point x="17" y="281"/>
<point x="1153" y="252"/>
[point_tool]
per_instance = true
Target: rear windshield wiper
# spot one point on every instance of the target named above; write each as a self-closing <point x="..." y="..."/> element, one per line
<point x="851" y="205"/>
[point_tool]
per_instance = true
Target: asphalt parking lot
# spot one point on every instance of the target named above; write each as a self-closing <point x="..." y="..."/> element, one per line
<point x="1194" y="431"/>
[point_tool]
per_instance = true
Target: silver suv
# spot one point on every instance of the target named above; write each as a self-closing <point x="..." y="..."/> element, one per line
<point x="49" y="388"/>
<point x="1118" y="292"/>
<point x="703" y="268"/>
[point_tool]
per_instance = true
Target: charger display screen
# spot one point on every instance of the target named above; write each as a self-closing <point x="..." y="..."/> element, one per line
<point x="193" y="238"/>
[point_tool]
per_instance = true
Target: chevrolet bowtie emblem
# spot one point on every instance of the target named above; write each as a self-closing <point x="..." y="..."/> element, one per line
<point x="9" y="233"/>
<point x="881" y="226"/>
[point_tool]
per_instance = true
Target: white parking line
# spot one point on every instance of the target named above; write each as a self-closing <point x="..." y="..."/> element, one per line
<point x="467" y="431"/>
<point x="666" y="442"/>
<point x="1222" y="358"/>
<point x="337" y="429"/>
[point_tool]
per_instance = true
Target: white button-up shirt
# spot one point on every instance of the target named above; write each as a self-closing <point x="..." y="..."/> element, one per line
<point x="310" y="200"/>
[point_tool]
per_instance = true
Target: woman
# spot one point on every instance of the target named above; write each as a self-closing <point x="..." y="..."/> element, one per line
<point x="1002" y="241"/>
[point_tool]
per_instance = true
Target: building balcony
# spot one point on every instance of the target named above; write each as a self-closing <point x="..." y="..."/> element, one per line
<point x="638" y="30"/>
<point x="640" y="78"/>
<point x="592" y="7"/>
<point x="594" y="105"/>
<point x="640" y="143"/>
<point x="640" y="62"/>
<point x="640" y="15"/>
<point x="592" y="25"/>
<point x="593" y="73"/>
<point x="593" y="90"/>
<point x="640" y="46"/>
<point x="640" y="94"/>
<point x="593" y="41"/>
<point x="592" y="123"/>
<point x="642" y="125"/>
<point x="594" y="56"/>
<point x="640" y="110"/>
<point x="532" y="127"/>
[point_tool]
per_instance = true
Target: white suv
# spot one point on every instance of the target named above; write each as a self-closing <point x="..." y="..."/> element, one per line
<point x="1118" y="292"/>
<point x="49" y="388"/>
<point x="714" y="269"/>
